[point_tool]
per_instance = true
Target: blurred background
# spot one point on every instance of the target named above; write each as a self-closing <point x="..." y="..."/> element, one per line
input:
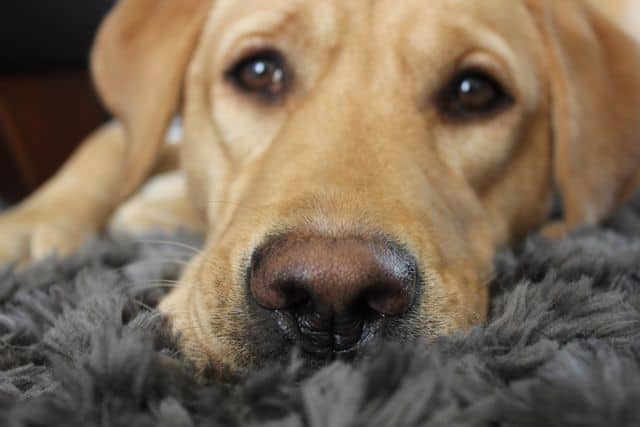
<point x="47" y="102"/>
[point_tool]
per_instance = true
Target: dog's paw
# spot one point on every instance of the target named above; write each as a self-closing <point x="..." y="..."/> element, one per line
<point x="26" y="237"/>
<point x="161" y="205"/>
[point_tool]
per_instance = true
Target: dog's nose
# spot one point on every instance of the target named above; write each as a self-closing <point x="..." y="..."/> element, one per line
<point x="333" y="286"/>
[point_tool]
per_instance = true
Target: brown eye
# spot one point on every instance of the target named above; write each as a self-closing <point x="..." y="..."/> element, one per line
<point x="263" y="74"/>
<point x="473" y="95"/>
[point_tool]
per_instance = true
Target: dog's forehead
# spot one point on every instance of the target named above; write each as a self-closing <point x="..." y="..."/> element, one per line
<point x="376" y="12"/>
<point x="423" y="24"/>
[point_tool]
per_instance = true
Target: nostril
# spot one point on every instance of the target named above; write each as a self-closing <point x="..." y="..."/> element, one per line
<point x="278" y="294"/>
<point x="292" y="293"/>
<point x="390" y="297"/>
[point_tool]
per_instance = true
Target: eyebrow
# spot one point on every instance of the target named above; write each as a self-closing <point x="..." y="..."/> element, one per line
<point x="256" y="24"/>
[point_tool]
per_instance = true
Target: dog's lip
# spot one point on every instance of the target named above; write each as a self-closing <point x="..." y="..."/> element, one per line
<point x="325" y="344"/>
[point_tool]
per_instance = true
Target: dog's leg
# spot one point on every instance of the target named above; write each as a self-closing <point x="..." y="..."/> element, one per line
<point x="72" y="206"/>
<point x="161" y="205"/>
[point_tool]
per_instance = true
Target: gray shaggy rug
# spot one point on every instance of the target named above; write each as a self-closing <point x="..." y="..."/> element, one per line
<point x="80" y="345"/>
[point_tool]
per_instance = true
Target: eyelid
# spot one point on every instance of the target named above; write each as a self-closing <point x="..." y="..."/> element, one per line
<point x="483" y="62"/>
<point x="246" y="48"/>
<point x="252" y="32"/>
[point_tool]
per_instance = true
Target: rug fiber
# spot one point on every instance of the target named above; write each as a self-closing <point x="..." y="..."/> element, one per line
<point x="80" y="345"/>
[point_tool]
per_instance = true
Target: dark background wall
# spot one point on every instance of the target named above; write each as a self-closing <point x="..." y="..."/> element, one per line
<point x="47" y="102"/>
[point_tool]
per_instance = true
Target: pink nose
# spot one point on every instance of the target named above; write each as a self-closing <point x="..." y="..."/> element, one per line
<point x="334" y="277"/>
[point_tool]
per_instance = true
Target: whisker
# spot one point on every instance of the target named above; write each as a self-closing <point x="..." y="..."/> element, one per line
<point x="140" y="263"/>
<point x="154" y="285"/>
<point x="155" y="282"/>
<point x="164" y="282"/>
<point x="158" y="284"/>
<point x="192" y="249"/>
<point x="145" y="306"/>
<point x="181" y="262"/>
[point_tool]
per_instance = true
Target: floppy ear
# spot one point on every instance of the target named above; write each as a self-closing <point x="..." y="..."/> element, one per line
<point x="139" y="60"/>
<point x="595" y="91"/>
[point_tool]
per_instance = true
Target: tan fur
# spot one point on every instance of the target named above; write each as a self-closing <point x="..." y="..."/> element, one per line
<point x="359" y="147"/>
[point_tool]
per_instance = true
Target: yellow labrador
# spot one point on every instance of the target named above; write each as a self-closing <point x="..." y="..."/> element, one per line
<point x="354" y="164"/>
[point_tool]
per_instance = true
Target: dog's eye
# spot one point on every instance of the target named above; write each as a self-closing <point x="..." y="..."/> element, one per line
<point x="473" y="95"/>
<point x="264" y="74"/>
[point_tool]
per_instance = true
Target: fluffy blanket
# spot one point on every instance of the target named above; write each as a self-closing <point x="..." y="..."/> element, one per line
<point x="80" y="345"/>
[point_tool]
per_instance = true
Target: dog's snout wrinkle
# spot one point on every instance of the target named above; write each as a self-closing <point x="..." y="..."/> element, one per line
<point x="329" y="291"/>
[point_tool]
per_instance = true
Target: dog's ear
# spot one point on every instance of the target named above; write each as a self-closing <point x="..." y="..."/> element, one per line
<point x="595" y="90"/>
<point x="139" y="60"/>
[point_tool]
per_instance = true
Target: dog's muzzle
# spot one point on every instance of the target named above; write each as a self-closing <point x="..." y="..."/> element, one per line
<point x="330" y="295"/>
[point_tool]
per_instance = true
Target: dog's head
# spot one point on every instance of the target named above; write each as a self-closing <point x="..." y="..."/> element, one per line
<point x="359" y="162"/>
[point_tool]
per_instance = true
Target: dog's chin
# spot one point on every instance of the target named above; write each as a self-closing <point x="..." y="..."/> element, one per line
<point x="262" y="344"/>
<point x="305" y="363"/>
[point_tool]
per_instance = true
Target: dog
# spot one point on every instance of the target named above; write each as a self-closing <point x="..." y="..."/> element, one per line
<point x="353" y="165"/>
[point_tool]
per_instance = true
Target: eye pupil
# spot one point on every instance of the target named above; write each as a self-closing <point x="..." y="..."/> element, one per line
<point x="263" y="75"/>
<point x="476" y="92"/>
<point x="472" y="95"/>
